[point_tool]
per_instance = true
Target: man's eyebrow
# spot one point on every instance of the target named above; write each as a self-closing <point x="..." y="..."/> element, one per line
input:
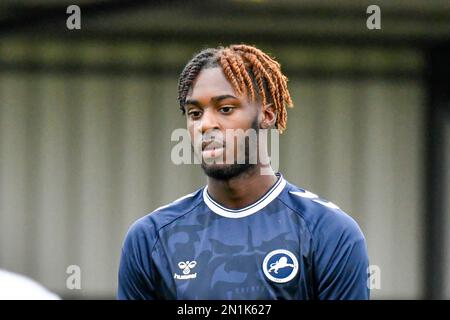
<point x="223" y="97"/>
<point x="192" y="102"/>
<point x="216" y="99"/>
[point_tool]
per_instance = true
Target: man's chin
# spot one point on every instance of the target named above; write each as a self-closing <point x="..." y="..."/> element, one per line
<point x="225" y="171"/>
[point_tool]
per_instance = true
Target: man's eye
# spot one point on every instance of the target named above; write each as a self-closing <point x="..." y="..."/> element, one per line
<point x="226" y="109"/>
<point x="194" y="114"/>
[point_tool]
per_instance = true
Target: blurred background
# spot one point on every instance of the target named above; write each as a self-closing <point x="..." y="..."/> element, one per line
<point x="86" y="117"/>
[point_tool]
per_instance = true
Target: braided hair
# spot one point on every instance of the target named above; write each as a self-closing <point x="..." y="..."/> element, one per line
<point x="250" y="71"/>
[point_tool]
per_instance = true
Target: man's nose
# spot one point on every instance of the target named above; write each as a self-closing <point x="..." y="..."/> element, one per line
<point x="209" y="121"/>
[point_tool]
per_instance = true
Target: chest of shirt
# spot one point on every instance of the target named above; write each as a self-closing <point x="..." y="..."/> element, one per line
<point x="233" y="259"/>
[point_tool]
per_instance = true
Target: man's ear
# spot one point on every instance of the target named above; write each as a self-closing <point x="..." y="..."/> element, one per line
<point x="269" y="116"/>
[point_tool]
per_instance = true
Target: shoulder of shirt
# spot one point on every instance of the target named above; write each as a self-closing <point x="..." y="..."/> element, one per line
<point x="147" y="227"/>
<point x="322" y="217"/>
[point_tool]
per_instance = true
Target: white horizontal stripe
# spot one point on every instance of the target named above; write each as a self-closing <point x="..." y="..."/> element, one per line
<point x="179" y="199"/>
<point x="255" y="207"/>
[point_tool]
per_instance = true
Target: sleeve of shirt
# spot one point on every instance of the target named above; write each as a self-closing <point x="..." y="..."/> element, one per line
<point x="341" y="259"/>
<point x="135" y="281"/>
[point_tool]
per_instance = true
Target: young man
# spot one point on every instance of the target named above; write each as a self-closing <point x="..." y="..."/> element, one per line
<point x="247" y="234"/>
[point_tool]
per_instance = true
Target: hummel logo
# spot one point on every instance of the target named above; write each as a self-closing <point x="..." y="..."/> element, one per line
<point x="186" y="266"/>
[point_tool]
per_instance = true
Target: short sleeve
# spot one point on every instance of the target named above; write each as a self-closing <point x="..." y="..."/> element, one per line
<point x="135" y="278"/>
<point x="341" y="259"/>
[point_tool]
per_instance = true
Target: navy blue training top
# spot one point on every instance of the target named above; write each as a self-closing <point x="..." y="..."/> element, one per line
<point x="290" y="244"/>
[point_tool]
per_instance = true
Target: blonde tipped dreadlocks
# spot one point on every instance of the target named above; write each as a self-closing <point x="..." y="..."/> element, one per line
<point x="250" y="71"/>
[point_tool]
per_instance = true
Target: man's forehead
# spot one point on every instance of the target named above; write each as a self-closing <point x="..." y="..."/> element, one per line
<point x="210" y="82"/>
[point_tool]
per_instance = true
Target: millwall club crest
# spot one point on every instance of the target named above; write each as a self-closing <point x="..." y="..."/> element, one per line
<point x="280" y="266"/>
<point x="186" y="266"/>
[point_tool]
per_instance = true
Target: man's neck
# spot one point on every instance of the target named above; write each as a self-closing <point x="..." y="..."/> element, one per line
<point x="242" y="190"/>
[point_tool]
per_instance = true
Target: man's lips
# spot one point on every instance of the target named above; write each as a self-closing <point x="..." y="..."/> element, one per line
<point x="212" y="149"/>
<point x="211" y="145"/>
